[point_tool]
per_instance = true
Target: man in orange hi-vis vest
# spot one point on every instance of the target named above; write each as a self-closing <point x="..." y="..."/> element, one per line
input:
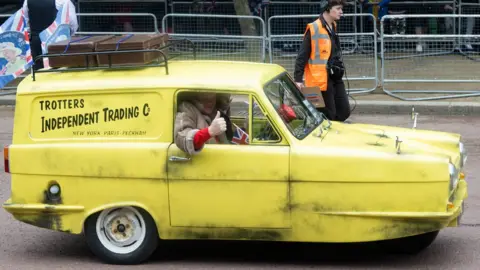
<point x="320" y="60"/>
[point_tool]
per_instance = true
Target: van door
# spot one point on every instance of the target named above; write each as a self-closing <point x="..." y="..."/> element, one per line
<point x="231" y="185"/>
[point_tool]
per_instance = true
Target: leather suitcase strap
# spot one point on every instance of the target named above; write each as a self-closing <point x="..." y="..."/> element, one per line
<point x="73" y="45"/>
<point x="75" y="41"/>
<point x="122" y="40"/>
<point x="80" y="46"/>
<point x="131" y="42"/>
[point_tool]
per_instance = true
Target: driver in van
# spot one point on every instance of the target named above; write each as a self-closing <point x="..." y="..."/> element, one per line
<point x="202" y="118"/>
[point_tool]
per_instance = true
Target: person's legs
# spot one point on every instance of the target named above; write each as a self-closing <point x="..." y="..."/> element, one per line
<point x="419" y="31"/>
<point x="342" y="104"/>
<point x="469" y="31"/>
<point x="418" y="23"/>
<point x="329" y="100"/>
<point x="449" y="26"/>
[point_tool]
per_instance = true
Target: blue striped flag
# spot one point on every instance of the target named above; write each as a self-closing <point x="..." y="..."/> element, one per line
<point x="59" y="30"/>
<point x="15" y="53"/>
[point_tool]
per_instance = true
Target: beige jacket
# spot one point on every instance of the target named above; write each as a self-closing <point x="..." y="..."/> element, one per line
<point x="188" y="122"/>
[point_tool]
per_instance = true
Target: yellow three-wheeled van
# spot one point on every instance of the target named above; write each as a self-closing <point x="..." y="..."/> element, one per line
<point x="94" y="152"/>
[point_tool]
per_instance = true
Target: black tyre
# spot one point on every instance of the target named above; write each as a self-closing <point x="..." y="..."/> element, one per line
<point x="124" y="235"/>
<point x="410" y="245"/>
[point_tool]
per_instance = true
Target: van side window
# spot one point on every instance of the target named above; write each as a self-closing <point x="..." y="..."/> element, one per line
<point x="197" y="109"/>
<point x="262" y="127"/>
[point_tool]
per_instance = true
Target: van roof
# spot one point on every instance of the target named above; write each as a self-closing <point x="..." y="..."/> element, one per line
<point x="182" y="74"/>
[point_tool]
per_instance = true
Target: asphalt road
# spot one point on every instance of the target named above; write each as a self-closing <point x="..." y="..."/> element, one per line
<point x="25" y="247"/>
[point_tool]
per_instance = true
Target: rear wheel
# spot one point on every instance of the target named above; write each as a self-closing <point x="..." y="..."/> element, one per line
<point x="410" y="245"/>
<point x="124" y="235"/>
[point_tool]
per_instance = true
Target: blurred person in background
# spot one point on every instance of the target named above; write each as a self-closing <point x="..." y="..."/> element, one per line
<point x="125" y="23"/>
<point x="467" y="24"/>
<point x="420" y="24"/>
<point x="39" y="15"/>
<point x="377" y="8"/>
<point x="397" y="26"/>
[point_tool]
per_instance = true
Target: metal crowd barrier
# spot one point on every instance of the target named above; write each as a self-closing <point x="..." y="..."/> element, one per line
<point x="112" y="24"/>
<point x="285" y="8"/>
<point x="432" y="68"/>
<point x="200" y="7"/>
<point x="154" y="26"/>
<point x="270" y="8"/>
<point x="219" y="37"/>
<point x="360" y="66"/>
<point x="296" y="8"/>
<point x="410" y="23"/>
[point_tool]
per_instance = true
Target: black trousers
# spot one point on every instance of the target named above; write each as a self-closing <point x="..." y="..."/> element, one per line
<point x="36" y="48"/>
<point x="337" y="106"/>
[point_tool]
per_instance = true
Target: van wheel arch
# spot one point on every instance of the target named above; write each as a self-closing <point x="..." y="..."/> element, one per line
<point x="101" y="208"/>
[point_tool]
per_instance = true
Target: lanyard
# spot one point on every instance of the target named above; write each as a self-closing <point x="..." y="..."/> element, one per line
<point x="332" y="33"/>
<point x="329" y="29"/>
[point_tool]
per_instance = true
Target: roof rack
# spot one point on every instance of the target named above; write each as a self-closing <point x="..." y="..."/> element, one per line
<point x="109" y="53"/>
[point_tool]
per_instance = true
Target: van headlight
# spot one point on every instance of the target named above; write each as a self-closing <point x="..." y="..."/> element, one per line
<point x="453" y="176"/>
<point x="463" y="154"/>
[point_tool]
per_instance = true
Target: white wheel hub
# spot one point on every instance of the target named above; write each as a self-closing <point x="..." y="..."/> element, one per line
<point x="121" y="230"/>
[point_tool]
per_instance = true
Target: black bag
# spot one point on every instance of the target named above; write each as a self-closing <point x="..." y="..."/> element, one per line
<point x="336" y="68"/>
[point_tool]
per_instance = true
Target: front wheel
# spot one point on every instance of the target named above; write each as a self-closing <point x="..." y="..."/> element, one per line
<point x="410" y="245"/>
<point x="124" y="235"/>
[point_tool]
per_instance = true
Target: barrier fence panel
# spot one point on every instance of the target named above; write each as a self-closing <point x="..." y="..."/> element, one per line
<point x="199" y="7"/>
<point x="297" y="25"/>
<point x="366" y="24"/>
<point x="469" y="47"/>
<point x="361" y="67"/>
<point x="11" y="88"/>
<point x="120" y="23"/>
<point x="99" y="30"/>
<point x="203" y="7"/>
<point x="220" y="37"/>
<point x="154" y="28"/>
<point x="436" y="24"/>
<point x="430" y="75"/>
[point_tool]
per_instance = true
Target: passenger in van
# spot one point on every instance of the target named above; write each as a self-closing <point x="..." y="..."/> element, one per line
<point x="202" y="118"/>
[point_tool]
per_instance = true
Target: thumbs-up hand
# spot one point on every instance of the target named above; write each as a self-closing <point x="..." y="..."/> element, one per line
<point x="218" y="126"/>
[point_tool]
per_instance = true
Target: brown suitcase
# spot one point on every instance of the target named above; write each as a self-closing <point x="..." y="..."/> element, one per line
<point x="77" y="44"/>
<point x="132" y="42"/>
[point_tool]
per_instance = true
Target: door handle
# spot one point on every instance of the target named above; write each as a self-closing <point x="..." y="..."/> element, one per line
<point x="179" y="159"/>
